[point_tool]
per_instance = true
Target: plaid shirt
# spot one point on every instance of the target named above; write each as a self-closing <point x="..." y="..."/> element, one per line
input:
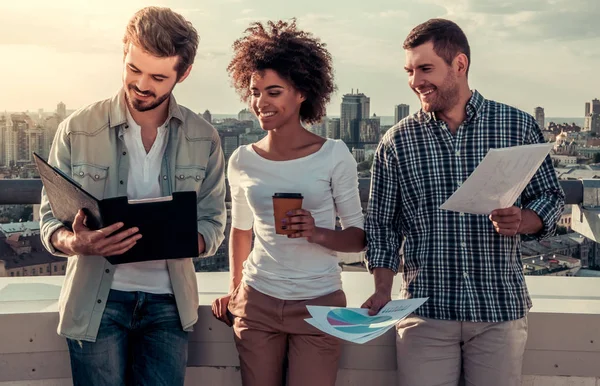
<point x="468" y="270"/>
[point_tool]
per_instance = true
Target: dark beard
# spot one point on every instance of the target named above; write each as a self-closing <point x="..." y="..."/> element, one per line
<point x="447" y="95"/>
<point x="140" y="106"/>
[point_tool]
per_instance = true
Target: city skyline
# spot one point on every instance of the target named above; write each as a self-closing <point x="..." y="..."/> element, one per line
<point x="514" y="49"/>
<point x="385" y="119"/>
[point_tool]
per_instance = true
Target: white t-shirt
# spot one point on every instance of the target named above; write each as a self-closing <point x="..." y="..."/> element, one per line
<point x="293" y="269"/>
<point x="143" y="182"/>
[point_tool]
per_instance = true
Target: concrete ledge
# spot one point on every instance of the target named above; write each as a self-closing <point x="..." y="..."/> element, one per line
<point x="564" y="335"/>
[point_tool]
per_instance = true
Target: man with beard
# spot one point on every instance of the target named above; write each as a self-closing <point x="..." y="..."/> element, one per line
<point x="468" y="265"/>
<point x="129" y="323"/>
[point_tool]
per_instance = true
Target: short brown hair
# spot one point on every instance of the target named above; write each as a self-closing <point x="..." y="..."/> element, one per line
<point x="295" y="55"/>
<point x="163" y="33"/>
<point x="447" y="38"/>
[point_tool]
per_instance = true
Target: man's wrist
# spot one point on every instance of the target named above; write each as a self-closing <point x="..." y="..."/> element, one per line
<point x="384" y="280"/>
<point x="531" y="223"/>
<point x="201" y="244"/>
<point x="61" y="241"/>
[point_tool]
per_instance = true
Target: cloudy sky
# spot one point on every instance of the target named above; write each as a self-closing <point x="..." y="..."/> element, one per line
<point x="525" y="53"/>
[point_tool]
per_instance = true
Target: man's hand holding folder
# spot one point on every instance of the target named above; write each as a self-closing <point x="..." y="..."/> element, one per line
<point x="92" y="227"/>
<point x="101" y="242"/>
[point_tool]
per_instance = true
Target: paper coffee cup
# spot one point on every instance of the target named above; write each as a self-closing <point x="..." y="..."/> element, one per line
<point x="283" y="203"/>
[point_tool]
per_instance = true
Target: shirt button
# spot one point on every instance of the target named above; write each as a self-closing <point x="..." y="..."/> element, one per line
<point x="181" y="176"/>
<point x="107" y="271"/>
<point x="164" y="177"/>
<point x="462" y="214"/>
<point x="121" y="182"/>
<point x="81" y="173"/>
<point x="463" y="244"/>
<point x="458" y="153"/>
<point x="459" y="183"/>
<point x="466" y="275"/>
<point x="127" y="126"/>
<point x="99" y="301"/>
<point x="96" y="176"/>
<point x="124" y="153"/>
<point x="197" y="178"/>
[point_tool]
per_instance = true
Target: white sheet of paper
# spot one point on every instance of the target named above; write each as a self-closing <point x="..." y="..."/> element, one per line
<point x="360" y="339"/>
<point x="355" y="325"/>
<point x="498" y="180"/>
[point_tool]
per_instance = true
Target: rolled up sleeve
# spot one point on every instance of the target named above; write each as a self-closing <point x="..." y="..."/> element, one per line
<point x="383" y="223"/>
<point x="543" y="194"/>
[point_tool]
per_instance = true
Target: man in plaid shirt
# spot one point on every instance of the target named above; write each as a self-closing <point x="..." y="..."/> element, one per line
<point x="468" y="265"/>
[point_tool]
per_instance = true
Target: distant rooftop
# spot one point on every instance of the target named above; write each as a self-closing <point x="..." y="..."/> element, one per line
<point x="36" y="256"/>
<point x="15" y="227"/>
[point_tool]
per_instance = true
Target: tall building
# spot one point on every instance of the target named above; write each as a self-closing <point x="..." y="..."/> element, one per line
<point x="540" y="117"/>
<point x="26" y="139"/>
<point x="19" y="137"/>
<point x="354" y="108"/>
<point x="37" y="142"/>
<point x="50" y="126"/>
<point x="401" y="111"/>
<point x="592" y="116"/>
<point x="3" y="119"/>
<point x="229" y="142"/>
<point x="370" y="129"/>
<point x="319" y="128"/>
<point x="587" y="109"/>
<point x="595" y="108"/>
<point x="10" y="142"/>
<point x="592" y="123"/>
<point x="333" y="128"/>
<point x="61" y="111"/>
<point x="207" y="116"/>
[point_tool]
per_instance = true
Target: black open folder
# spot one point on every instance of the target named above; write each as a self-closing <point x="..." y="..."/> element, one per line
<point x="168" y="225"/>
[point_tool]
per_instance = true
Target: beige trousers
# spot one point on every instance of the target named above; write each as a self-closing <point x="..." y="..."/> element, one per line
<point x="434" y="352"/>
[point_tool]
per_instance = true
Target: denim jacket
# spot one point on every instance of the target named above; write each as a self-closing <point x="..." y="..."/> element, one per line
<point x="89" y="147"/>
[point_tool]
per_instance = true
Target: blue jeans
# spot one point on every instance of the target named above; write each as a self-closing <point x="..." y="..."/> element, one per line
<point x="140" y="342"/>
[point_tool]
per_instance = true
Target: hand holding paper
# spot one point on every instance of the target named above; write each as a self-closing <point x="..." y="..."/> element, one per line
<point x="498" y="180"/>
<point x="355" y="325"/>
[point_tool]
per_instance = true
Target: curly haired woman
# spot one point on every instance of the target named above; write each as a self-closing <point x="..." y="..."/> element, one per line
<point x="286" y="76"/>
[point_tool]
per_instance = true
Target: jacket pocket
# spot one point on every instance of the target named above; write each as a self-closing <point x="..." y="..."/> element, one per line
<point x="92" y="178"/>
<point x="189" y="178"/>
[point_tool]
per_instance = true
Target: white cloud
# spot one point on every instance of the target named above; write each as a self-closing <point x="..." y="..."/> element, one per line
<point x="389" y="14"/>
<point x="531" y="20"/>
<point x="245" y="21"/>
<point x="191" y="12"/>
<point x="315" y="17"/>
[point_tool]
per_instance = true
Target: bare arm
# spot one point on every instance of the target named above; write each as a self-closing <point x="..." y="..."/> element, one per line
<point x="348" y="240"/>
<point x="351" y="239"/>
<point x="384" y="279"/>
<point x="240" y="245"/>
